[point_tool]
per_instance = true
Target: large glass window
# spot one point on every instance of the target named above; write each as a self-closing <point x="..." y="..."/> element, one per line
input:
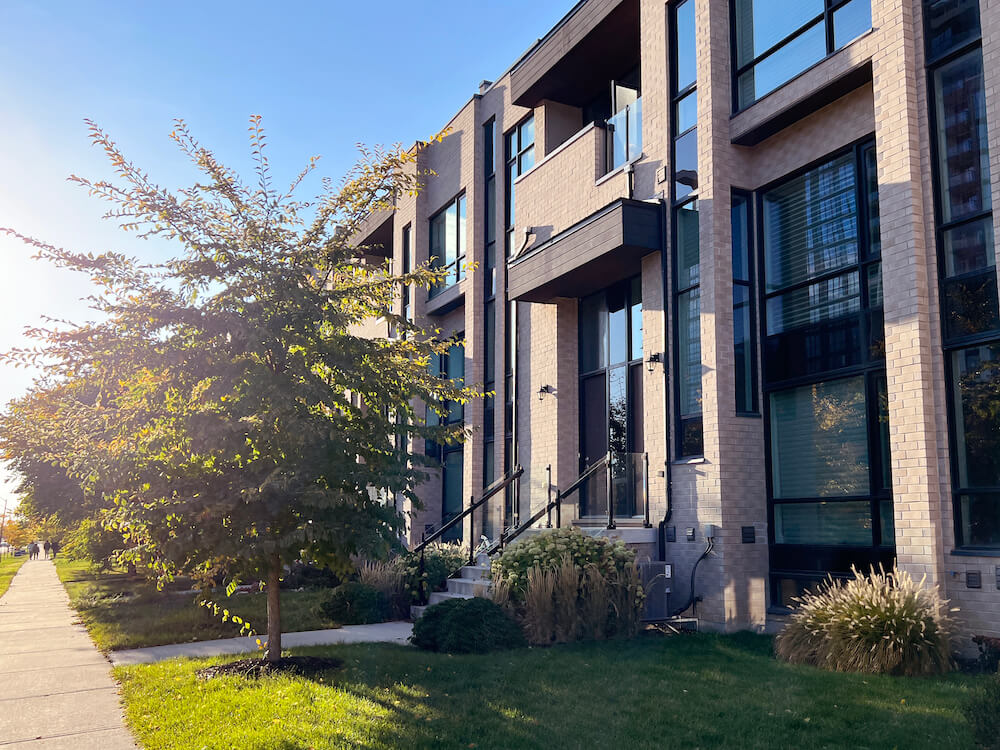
<point x="967" y="263"/>
<point x="824" y="374"/>
<point x="407" y="268"/>
<point x="447" y="250"/>
<point x="778" y="39"/>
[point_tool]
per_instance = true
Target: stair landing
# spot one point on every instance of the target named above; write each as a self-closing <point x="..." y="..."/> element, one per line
<point x="472" y="580"/>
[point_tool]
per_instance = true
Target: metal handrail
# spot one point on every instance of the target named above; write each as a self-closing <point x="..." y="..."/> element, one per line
<point x="556" y="503"/>
<point x="474" y="505"/>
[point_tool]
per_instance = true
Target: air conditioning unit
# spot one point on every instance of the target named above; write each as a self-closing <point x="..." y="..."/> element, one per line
<point x="656" y="578"/>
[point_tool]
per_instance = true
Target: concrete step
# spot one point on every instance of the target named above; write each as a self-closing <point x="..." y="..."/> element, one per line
<point x="441" y="596"/>
<point x="416" y="612"/>
<point x="476" y="571"/>
<point x="469" y="586"/>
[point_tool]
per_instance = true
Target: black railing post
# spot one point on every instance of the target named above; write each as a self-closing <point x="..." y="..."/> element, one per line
<point x="472" y="529"/>
<point x="608" y="485"/>
<point x="645" y="489"/>
<point x="423" y="582"/>
<point x="548" y="495"/>
<point x="558" y="508"/>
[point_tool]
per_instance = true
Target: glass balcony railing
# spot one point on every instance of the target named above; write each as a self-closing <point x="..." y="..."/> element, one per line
<point x="624" y="136"/>
<point x="624" y="480"/>
<point x="456" y="272"/>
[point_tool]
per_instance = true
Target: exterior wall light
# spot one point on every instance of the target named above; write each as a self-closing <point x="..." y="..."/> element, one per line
<point x="545" y="389"/>
<point x="653" y="361"/>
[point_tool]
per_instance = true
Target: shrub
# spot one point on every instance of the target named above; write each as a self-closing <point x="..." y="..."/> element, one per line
<point x="91" y="542"/>
<point x="984" y="717"/>
<point x="354" y="603"/>
<point x="989" y="653"/>
<point x="547" y="551"/>
<point x="388" y="579"/>
<point x="441" y="561"/>
<point x="306" y="575"/>
<point x="466" y="626"/>
<point x="569" y="604"/>
<point x="880" y="623"/>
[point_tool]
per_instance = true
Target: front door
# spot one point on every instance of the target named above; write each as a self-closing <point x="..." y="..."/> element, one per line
<point x="610" y="366"/>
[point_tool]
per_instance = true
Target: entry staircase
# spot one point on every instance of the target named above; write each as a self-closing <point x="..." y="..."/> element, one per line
<point x="474" y="579"/>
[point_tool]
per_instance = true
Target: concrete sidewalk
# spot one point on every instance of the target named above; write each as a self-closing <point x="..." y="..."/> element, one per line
<point x="57" y="692"/>
<point x="383" y="632"/>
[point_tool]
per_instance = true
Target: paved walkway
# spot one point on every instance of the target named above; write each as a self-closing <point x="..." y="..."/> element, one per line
<point x="383" y="632"/>
<point x="56" y="692"/>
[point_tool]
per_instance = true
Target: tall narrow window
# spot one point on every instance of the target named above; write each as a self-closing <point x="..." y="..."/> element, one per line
<point x="824" y="378"/>
<point x="744" y="340"/>
<point x="967" y="266"/>
<point x="490" y="516"/>
<point x="407" y="268"/>
<point x="451" y="366"/>
<point x="686" y="235"/>
<point x="519" y="149"/>
<point x="447" y="249"/>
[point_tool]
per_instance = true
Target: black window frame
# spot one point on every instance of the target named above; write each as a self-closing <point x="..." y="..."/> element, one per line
<point x="953" y="344"/>
<point x="456" y="268"/>
<point x="813" y="562"/>
<point x="825" y="18"/>
<point x="749" y="284"/>
<point x="515" y="150"/>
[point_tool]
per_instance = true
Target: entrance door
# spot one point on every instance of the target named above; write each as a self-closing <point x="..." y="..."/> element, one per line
<point x="610" y="366"/>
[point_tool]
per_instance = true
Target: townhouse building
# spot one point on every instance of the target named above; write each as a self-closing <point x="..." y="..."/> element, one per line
<point x="732" y="261"/>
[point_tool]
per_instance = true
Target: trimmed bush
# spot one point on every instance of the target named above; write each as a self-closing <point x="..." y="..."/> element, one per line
<point x="549" y="549"/>
<point x="441" y="561"/>
<point x="354" y="603"/>
<point x="466" y="626"/>
<point x="882" y="623"/>
<point x="302" y="575"/>
<point x="983" y="713"/>
<point x="989" y="653"/>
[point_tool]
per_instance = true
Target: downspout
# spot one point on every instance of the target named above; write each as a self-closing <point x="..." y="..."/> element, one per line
<point x="667" y="359"/>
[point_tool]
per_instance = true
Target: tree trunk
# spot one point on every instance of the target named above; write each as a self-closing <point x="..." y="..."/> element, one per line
<point x="274" y="610"/>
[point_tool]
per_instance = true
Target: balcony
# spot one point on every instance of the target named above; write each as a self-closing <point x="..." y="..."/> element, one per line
<point x="624" y="136"/>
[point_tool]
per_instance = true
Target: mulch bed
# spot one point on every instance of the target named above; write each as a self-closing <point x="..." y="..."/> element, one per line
<point x="303" y="666"/>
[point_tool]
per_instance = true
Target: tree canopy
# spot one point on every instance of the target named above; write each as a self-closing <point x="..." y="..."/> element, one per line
<point x="223" y="412"/>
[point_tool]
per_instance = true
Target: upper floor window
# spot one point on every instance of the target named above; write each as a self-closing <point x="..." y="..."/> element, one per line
<point x="448" y="243"/>
<point x="519" y="152"/>
<point x="778" y="39"/>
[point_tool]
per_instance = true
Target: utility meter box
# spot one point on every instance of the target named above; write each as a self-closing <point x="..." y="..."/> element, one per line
<point x="657" y="580"/>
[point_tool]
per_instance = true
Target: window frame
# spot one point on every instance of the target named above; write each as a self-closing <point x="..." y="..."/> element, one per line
<point x="953" y="344"/>
<point x="749" y="284"/>
<point x="456" y="268"/>
<point x="825" y="18"/>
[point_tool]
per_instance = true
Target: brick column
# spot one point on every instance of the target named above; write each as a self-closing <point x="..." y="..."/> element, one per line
<point x="912" y="338"/>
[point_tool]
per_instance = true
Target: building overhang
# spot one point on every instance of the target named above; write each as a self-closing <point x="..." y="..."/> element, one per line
<point x="606" y="247"/>
<point x="572" y="62"/>
<point x="374" y="236"/>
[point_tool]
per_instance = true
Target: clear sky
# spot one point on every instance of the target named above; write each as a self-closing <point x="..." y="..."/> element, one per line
<point x="324" y="75"/>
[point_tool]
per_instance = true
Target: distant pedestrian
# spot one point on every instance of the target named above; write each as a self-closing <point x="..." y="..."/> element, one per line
<point x="32" y="551"/>
<point x="55" y="548"/>
<point x="47" y="547"/>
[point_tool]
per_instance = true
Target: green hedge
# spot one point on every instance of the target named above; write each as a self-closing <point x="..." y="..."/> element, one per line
<point x="466" y="626"/>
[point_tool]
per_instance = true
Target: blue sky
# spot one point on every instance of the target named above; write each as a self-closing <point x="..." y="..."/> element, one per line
<point x="324" y="75"/>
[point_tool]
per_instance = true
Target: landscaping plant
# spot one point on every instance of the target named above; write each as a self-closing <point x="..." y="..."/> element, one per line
<point x="441" y="561"/>
<point x="355" y="603"/>
<point x="466" y="626"/>
<point x="983" y="714"/>
<point x="389" y="580"/>
<point x="882" y="623"/>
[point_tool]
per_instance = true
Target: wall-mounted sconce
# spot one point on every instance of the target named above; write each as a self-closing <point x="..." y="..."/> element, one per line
<point x="544" y="390"/>
<point x="653" y="361"/>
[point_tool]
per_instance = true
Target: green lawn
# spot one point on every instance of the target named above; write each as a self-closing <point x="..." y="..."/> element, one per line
<point x="8" y="569"/>
<point x="125" y="612"/>
<point x="694" y="691"/>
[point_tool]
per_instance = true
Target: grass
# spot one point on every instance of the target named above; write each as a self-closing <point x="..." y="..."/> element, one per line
<point x="9" y="566"/>
<point x="696" y="691"/>
<point x="122" y="611"/>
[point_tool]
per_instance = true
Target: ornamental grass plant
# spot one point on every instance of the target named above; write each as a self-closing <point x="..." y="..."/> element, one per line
<point x="880" y="623"/>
